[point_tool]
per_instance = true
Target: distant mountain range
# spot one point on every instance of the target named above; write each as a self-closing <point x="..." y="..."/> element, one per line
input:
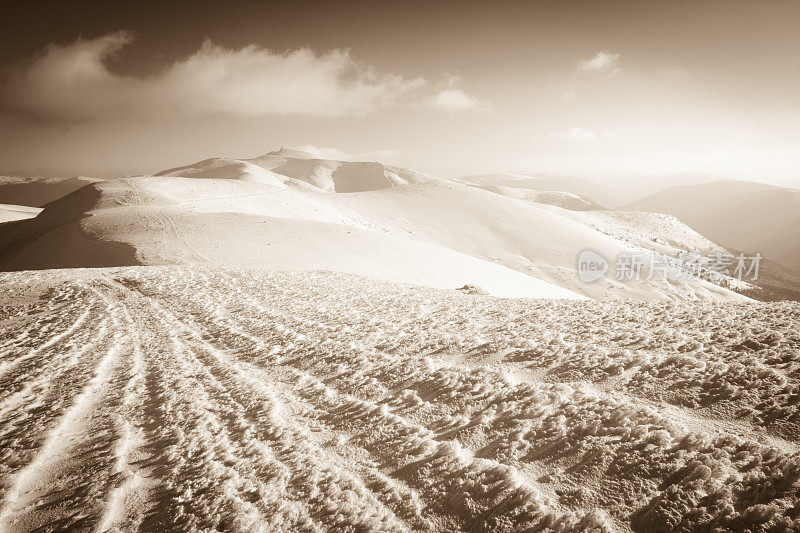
<point x="746" y="216"/>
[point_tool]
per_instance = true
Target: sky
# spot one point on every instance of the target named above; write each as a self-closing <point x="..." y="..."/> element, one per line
<point x="596" y="89"/>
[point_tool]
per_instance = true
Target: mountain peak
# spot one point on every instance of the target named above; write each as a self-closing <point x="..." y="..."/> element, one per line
<point x="292" y="152"/>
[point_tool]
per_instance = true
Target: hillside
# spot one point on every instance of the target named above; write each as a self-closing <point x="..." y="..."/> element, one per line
<point x="392" y="224"/>
<point x="628" y="189"/>
<point x="592" y="193"/>
<point x="238" y="223"/>
<point x="297" y="168"/>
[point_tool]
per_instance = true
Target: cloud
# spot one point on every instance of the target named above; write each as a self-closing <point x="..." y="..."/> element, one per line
<point x="455" y="100"/>
<point x="73" y="81"/>
<point x="324" y="152"/>
<point x="452" y="98"/>
<point x="579" y="134"/>
<point x="602" y="62"/>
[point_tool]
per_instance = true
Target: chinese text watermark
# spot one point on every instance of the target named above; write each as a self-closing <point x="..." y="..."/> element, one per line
<point x="637" y="266"/>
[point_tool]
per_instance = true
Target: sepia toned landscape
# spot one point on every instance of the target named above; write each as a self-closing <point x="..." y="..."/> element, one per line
<point x="256" y="276"/>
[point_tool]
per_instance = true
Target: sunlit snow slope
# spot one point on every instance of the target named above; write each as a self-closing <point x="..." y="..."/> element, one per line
<point x="287" y="211"/>
<point x="186" y="398"/>
<point x="9" y="212"/>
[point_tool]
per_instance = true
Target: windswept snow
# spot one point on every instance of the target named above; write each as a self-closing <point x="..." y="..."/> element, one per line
<point x="186" y="398"/>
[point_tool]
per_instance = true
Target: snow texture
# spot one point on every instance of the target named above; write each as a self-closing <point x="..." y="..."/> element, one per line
<point x="202" y="398"/>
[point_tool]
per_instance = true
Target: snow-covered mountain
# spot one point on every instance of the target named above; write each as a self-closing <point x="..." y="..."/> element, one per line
<point x="295" y="168"/>
<point x="272" y="343"/>
<point x="287" y="210"/>
<point x="586" y="194"/>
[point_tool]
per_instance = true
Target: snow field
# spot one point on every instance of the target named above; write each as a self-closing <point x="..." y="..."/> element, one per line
<point x="185" y="398"/>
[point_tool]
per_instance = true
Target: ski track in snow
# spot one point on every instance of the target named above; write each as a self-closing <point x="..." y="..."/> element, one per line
<point x="185" y="398"/>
